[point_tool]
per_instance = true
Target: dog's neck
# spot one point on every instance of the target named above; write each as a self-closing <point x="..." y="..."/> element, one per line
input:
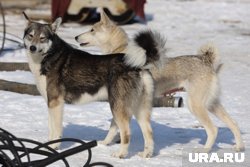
<point x="34" y="58"/>
<point x="119" y="49"/>
<point x="117" y="43"/>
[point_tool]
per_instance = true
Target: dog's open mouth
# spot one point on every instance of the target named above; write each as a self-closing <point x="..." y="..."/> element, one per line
<point x="83" y="44"/>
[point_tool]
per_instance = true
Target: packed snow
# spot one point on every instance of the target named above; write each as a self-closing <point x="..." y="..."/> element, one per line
<point x="187" y="25"/>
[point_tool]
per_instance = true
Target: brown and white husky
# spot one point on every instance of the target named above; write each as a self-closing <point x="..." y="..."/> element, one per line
<point x="64" y="74"/>
<point x="196" y="74"/>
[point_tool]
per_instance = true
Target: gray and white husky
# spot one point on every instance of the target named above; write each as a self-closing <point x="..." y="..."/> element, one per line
<point x="64" y="74"/>
<point x="196" y="74"/>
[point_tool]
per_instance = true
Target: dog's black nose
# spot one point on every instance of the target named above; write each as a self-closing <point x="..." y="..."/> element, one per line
<point x="76" y="38"/>
<point x="32" y="48"/>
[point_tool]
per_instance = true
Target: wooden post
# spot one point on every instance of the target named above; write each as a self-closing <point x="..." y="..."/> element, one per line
<point x="18" y="87"/>
<point x="9" y="66"/>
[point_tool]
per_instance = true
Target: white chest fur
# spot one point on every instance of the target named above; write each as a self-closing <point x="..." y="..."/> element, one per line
<point x="35" y="66"/>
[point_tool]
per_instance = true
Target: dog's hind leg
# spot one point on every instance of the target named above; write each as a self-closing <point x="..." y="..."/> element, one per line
<point x="200" y="112"/>
<point x="122" y="119"/>
<point x="218" y="110"/>
<point x="111" y="134"/>
<point x="55" y="120"/>
<point x="143" y="116"/>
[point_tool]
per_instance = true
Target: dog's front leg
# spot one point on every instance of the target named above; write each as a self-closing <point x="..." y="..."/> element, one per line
<point x="55" y="107"/>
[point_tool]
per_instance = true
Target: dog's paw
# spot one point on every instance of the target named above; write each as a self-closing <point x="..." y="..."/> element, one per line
<point x="103" y="142"/>
<point x="239" y="148"/>
<point x="145" y="154"/>
<point x="119" y="154"/>
<point x="55" y="146"/>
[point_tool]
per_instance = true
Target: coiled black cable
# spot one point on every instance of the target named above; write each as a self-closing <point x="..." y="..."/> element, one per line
<point x="13" y="152"/>
<point x="6" y="38"/>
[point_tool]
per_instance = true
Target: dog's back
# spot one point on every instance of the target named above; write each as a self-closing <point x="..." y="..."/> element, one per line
<point x="73" y="72"/>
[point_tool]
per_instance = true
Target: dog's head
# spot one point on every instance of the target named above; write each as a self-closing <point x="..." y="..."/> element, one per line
<point x="38" y="36"/>
<point x="102" y="34"/>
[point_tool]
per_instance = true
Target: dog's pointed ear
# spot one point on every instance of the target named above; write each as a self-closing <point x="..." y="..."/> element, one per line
<point x="27" y="18"/>
<point x="104" y="18"/>
<point x="55" y="25"/>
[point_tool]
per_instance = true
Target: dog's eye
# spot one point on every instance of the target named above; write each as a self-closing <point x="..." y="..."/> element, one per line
<point x="30" y="36"/>
<point x="92" y="30"/>
<point x="42" y="38"/>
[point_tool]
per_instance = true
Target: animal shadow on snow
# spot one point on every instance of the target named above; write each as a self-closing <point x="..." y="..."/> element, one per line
<point x="164" y="136"/>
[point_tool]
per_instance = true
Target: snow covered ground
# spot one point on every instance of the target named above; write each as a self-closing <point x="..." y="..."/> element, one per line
<point x="187" y="25"/>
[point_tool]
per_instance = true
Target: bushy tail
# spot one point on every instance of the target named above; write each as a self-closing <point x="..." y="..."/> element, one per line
<point x="210" y="56"/>
<point x="146" y="49"/>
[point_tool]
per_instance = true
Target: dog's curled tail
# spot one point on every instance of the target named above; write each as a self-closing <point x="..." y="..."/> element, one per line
<point x="146" y="49"/>
<point x="210" y="56"/>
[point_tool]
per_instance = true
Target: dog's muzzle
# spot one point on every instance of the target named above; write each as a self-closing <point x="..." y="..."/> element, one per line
<point x="81" y="44"/>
